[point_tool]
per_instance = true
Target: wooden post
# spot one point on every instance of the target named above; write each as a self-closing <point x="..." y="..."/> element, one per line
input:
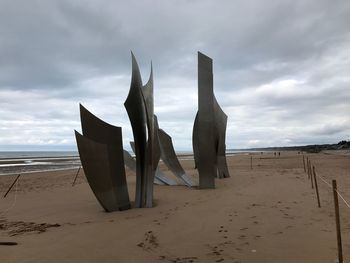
<point x="311" y="177"/>
<point x="76" y="176"/>
<point x="12" y="185"/>
<point x="337" y="221"/>
<point x="304" y="164"/>
<point x="251" y="162"/>
<point x="316" y="186"/>
<point x="308" y="167"/>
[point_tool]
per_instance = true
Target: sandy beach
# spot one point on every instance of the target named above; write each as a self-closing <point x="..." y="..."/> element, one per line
<point x="265" y="214"/>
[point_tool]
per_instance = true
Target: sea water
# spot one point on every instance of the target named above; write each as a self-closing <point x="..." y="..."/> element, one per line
<point x="35" y="161"/>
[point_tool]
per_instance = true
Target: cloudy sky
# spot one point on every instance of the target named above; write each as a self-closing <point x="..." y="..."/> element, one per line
<point x="281" y="68"/>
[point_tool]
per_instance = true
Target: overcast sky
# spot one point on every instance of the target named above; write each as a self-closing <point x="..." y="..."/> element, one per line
<point x="281" y="68"/>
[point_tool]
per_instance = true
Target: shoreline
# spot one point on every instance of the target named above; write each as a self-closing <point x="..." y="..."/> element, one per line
<point x="39" y="171"/>
<point x="14" y="166"/>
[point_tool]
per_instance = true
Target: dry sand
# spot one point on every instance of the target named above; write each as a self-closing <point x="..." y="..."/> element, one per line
<point x="265" y="214"/>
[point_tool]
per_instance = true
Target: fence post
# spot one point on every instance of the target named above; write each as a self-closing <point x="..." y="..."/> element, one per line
<point x="316" y="186"/>
<point x="12" y="185"/>
<point x="251" y="162"/>
<point x="76" y="176"/>
<point x="337" y="221"/>
<point x="304" y="164"/>
<point x="311" y="177"/>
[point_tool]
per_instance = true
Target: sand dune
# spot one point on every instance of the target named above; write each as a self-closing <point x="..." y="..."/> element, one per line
<point x="265" y="214"/>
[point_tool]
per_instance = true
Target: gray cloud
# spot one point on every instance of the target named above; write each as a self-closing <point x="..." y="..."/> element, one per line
<point x="280" y="67"/>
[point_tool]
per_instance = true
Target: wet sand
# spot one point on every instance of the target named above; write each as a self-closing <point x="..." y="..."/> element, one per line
<point x="12" y="166"/>
<point x="265" y="214"/>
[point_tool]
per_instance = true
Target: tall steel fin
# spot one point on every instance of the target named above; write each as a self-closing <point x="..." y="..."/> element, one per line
<point x="139" y="106"/>
<point x="209" y="130"/>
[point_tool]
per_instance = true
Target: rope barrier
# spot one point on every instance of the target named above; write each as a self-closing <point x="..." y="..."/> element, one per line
<point x="339" y="194"/>
<point x="330" y="186"/>
<point x="324" y="180"/>
<point x="346" y="203"/>
<point x="336" y="207"/>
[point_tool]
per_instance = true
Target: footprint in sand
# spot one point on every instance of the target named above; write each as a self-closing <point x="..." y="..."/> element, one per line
<point x="156" y="222"/>
<point x="178" y="259"/>
<point x="214" y="251"/>
<point x="230" y="217"/>
<point x="149" y="242"/>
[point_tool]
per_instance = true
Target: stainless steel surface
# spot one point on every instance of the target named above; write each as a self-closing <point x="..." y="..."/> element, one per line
<point x="159" y="178"/>
<point x="208" y="138"/>
<point x="130" y="162"/>
<point x="139" y="105"/>
<point x="168" y="155"/>
<point x="101" y="132"/>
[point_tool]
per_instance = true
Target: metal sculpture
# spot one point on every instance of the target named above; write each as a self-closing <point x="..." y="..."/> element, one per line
<point x="220" y="140"/>
<point x="159" y="177"/>
<point x="131" y="164"/>
<point x="168" y="155"/>
<point x="132" y="145"/>
<point x="140" y="109"/>
<point x="129" y="161"/>
<point x="209" y="128"/>
<point x="101" y="154"/>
